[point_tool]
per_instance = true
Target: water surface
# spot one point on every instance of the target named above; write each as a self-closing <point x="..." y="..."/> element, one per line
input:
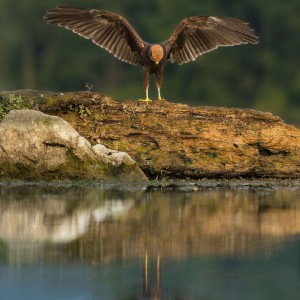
<point x="99" y="243"/>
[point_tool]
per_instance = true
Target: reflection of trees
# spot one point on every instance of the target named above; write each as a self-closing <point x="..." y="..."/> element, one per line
<point x="174" y="224"/>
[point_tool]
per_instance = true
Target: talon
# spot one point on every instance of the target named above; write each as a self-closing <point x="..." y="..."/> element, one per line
<point x="147" y="100"/>
<point x="161" y="99"/>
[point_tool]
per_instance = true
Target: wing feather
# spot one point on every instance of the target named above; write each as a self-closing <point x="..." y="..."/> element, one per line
<point x="197" y="35"/>
<point x="107" y="30"/>
<point x="112" y="41"/>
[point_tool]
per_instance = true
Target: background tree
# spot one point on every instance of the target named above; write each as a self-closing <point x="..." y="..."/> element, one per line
<point x="266" y="76"/>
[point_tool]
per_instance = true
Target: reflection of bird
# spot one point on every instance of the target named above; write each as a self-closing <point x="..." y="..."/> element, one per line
<point x="154" y="294"/>
<point x="192" y="37"/>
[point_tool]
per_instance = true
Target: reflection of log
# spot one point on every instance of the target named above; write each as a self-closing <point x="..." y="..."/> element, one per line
<point x="215" y="222"/>
<point x="172" y="225"/>
<point x="178" y="140"/>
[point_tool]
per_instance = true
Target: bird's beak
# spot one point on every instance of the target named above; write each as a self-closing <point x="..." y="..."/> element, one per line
<point x="157" y="62"/>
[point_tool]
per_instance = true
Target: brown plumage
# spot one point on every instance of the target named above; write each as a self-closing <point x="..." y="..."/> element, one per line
<point x="193" y="37"/>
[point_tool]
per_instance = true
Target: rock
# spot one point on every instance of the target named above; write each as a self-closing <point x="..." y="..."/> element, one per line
<point x="36" y="146"/>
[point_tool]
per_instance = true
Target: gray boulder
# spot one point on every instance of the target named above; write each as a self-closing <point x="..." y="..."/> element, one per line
<point x="36" y="146"/>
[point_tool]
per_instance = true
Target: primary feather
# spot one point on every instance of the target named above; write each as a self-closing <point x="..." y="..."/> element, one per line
<point x="107" y="30"/>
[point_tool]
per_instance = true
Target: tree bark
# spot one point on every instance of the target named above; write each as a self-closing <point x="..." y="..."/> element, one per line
<point x="176" y="140"/>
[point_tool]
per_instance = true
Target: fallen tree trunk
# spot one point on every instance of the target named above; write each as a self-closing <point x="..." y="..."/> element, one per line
<point x="176" y="140"/>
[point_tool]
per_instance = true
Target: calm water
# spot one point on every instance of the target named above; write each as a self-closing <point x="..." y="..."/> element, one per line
<point x="96" y="243"/>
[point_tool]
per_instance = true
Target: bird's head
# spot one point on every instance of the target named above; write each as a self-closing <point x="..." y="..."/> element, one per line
<point x="156" y="53"/>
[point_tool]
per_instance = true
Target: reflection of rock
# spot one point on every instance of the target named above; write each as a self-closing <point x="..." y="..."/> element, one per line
<point x="51" y="222"/>
<point x="38" y="146"/>
<point x="66" y="229"/>
<point x="111" y="208"/>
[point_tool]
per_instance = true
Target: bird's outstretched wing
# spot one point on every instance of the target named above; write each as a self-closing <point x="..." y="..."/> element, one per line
<point x="197" y="35"/>
<point x="105" y="29"/>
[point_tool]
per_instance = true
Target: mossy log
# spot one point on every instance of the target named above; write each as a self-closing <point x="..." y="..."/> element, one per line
<point x="176" y="140"/>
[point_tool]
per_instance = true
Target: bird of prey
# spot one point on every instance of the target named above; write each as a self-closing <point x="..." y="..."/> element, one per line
<point x="193" y="37"/>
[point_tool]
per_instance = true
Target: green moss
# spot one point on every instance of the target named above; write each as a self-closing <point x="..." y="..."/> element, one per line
<point x="116" y="171"/>
<point x="211" y="154"/>
<point x="22" y="168"/>
<point x="51" y="101"/>
<point x="99" y="117"/>
<point x="47" y="121"/>
<point x="140" y="149"/>
<point x="122" y="146"/>
<point x="125" y="172"/>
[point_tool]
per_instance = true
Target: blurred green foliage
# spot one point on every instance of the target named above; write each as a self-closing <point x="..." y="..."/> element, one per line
<point x="12" y="102"/>
<point x="265" y="76"/>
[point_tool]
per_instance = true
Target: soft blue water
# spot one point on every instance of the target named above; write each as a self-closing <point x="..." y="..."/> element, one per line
<point x="208" y="277"/>
<point x="33" y="265"/>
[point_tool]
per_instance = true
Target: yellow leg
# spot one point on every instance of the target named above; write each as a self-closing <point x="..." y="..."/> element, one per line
<point x="159" y="96"/>
<point x="147" y="100"/>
